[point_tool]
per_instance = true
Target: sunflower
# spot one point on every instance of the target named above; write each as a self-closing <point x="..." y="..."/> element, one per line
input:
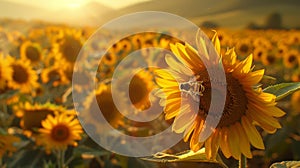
<point x="244" y="47"/>
<point x="259" y="53"/>
<point x="24" y="77"/>
<point x="68" y="48"/>
<point x="110" y="58"/>
<point x="125" y="46"/>
<point x="7" y="144"/>
<point x="5" y="72"/>
<point x="296" y="76"/>
<point x="295" y="99"/>
<point x="105" y="103"/>
<point x="246" y="104"/>
<point x="55" y="75"/>
<point x="137" y="41"/>
<point x="290" y="59"/>
<point x="59" y="131"/>
<point x="269" y="58"/>
<point x="32" y="114"/>
<point x="139" y="89"/>
<point x="31" y="51"/>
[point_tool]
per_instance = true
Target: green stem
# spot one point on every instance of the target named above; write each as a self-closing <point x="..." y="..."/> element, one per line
<point x="243" y="162"/>
<point x="61" y="158"/>
<point x="1" y="162"/>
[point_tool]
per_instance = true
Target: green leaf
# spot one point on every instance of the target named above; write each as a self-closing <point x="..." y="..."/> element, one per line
<point x="283" y="89"/>
<point x="286" y="164"/>
<point x="267" y="77"/>
<point x="185" y="157"/>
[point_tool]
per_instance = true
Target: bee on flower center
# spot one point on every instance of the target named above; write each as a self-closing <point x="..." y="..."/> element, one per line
<point x="193" y="88"/>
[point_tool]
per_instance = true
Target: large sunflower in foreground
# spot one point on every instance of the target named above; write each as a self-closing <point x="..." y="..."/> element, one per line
<point x="246" y="105"/>
<point x="59" y="131"/>
<point x="23" y="77"/>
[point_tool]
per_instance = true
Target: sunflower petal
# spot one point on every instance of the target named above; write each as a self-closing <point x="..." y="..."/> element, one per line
<point x="224" y="143"/>
<point x="252" y="134"/>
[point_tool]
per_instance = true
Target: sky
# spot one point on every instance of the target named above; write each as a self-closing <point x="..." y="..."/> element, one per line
<point x="59" y="4"/>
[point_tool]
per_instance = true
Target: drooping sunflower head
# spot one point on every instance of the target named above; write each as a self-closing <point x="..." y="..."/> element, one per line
<point x="59" y="131"/>
<point x="246" y="105"/>
<point x="32" y="114"/>
<point x="31" y="51"/>
<point x="23" y="77"/>
<point x="103" y="101"/>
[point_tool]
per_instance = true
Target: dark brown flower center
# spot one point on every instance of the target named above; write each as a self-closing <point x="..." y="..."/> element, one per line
<point x="70" y="49"/>
<point x="292" y="58"/>
<point x="271" y="59"/>
<point x="60" y="132"/>
<point x="32" y="118"/>
<point x="32" y="54"/>
<point x="137" y="90"/>
<point x="20" y="74"/>
<point x="244" y="48"/>
<point x="235" y="104"/>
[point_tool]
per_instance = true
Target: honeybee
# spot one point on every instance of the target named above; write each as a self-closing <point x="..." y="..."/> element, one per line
<point x="193" y="88"/>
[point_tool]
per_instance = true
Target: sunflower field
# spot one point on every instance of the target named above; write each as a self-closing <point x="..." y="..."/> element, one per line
<point x="39" y="126"/>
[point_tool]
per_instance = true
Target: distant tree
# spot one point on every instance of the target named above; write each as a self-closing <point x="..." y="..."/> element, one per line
<point x="209" y="24"/>
<point x="274" y="21"/>
<point x="253" y="26"/>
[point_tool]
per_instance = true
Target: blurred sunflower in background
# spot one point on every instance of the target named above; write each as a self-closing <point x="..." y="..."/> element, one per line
<point x="32" y="52"/>
<point x="31" y="115"/>
<point x="103" y="101"/>
<point x="5" y="72"/>
<point x="139" y="89"/>
<point x="246" y="105"/>
<point x="55" y="75"/>
<point x="291" y="59"/>
<point x="269" y="58"/>
<point x="59" y="131"/>
<point x="68" y="48"/>
<point x="23" y="77"/>
<point x="7" y="144"/>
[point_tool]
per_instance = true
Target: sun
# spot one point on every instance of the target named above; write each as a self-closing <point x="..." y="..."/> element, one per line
<point x="74" y="5"/>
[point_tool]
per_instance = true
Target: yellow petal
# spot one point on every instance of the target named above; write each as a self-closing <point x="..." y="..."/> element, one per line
<point x="183" y="120"/>
<point x="224" y="142"/>
<point x="244" y="142"/>
<point x="229" y="58"/>
<point x="263" y="119"/>
<point x="179" y="67"/>
<point x="252" y="134"/>
<point x="216" y="42"/>
<point x="243" y="67"/>
<point x="253" y="78"/>
<point x="268" y="110"/>
<point x="233" y="142"/>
